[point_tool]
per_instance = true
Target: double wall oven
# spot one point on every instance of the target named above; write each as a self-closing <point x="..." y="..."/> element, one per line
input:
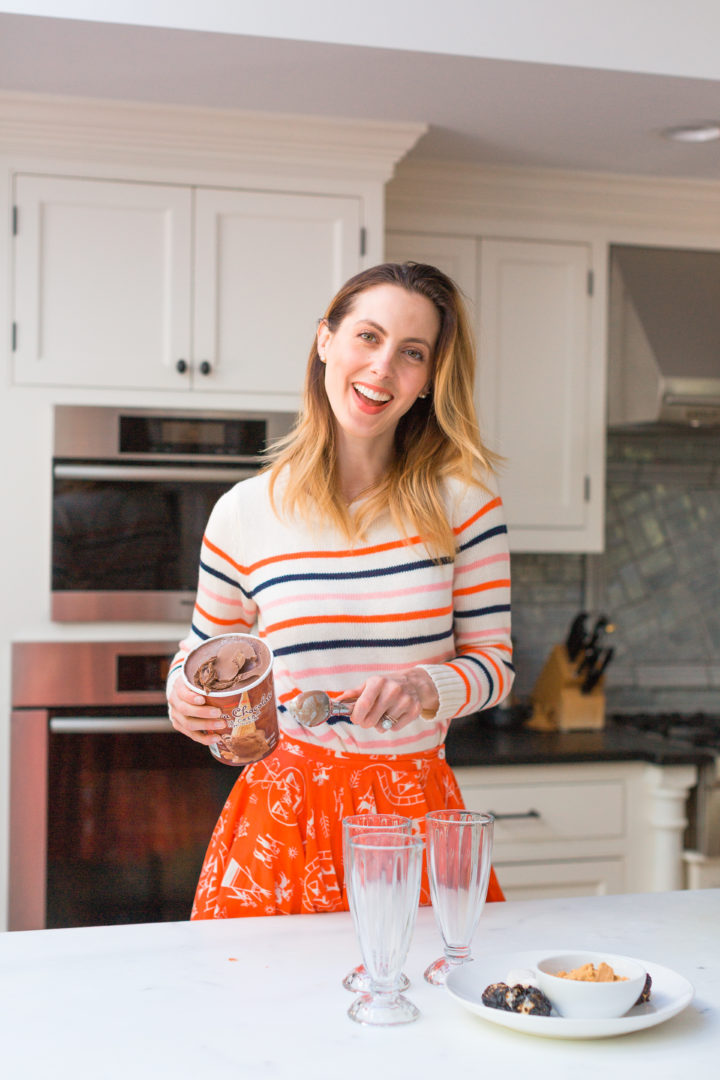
<point x="112" y="809"/>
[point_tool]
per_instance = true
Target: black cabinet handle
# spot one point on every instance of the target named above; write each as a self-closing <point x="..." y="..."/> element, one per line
<point x="205" y="367"/>
<point x="181" y="366"/>
<point x="515" y="817"/>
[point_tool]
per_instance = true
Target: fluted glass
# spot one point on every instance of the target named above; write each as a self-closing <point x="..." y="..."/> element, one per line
<point x="459" y="854"/>
<point x="384" y="871"/>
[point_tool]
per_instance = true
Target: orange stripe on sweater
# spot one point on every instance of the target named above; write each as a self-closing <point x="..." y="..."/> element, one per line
<point x="492" y="505"/>
<point x="499" y="584"/>
<point x="468" y="689"/>
<point x="497" y="669"/>
<point x="403" y="616"/>
<point x="220" y="622"/>
<point x="391" y="545"/>
<point x="480" y="649"/>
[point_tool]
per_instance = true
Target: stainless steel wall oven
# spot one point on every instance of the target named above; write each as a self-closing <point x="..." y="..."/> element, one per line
<point x="111" y="809"/>
<point x="132" y="492"/>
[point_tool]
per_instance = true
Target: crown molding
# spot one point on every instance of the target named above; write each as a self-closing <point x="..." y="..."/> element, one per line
<point x="459" y="192"/>
<point x="217" y="139"/>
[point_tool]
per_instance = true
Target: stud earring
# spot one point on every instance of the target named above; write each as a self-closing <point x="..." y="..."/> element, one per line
<point x="423" y="396"/>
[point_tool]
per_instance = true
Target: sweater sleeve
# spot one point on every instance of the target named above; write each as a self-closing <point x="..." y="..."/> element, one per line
<point x="481" y="673"/>
<point x="223" y="603"/>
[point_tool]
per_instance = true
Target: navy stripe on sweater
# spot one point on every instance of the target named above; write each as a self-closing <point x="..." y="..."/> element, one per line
<point x="364" y="643"/>
<point x="349" y="575"/>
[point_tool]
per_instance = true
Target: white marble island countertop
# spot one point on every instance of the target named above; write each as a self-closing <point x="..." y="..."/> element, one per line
<point x="262" y="998"/>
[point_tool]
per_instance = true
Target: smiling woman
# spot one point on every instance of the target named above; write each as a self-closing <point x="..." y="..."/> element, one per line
<point x="372" y="558"/>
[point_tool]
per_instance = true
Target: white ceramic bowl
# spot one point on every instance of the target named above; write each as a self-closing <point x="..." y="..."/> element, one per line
<point x="590" y="1000"/>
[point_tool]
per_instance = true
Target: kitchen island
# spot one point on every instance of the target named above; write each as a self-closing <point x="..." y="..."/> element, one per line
<point x="262" y="997"/>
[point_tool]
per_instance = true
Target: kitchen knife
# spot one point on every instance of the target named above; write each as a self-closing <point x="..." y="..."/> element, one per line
<point x="589" y="659"/>
<point x="576" y="636"/>
<point x="595" y="673"/>
<point x="602" y="625"/>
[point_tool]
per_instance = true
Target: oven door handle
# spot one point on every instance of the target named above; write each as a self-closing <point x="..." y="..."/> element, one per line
<point x="149" y="473"/>
<point x="114" y="725"/>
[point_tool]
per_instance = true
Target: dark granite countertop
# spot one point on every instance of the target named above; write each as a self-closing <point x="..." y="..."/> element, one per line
<point x="472" y="740"/>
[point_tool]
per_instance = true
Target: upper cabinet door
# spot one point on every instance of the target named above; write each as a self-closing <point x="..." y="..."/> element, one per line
<point x="266" y="266"/>
<point x="534" y="357"/>
<point x="534" y="384"/>
<point x="102" y="283"/>
<point x="456" y="256"/>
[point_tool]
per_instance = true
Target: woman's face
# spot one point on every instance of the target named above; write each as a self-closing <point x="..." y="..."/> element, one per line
<point x="379" y="360"/>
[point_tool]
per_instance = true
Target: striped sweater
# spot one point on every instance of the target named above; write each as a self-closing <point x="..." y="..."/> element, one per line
<point x="334" y="615"/>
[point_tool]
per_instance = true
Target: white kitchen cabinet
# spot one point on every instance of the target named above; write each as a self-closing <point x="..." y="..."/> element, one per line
<point x="454" y="255"/>
<point x="140" y="285"/>
<point x="102" y="282"/>
<point x="530" y="302"/>
<point x="556" y="878"/>
<point x="267" y="265"/>
<point x="533" y="312"/>
<point x="583" y="829"/>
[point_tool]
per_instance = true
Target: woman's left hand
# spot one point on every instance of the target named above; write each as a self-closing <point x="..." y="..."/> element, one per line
<point x="401" y="697"/>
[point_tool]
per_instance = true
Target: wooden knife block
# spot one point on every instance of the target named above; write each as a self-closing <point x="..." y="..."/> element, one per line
<point x="558" y="702"/>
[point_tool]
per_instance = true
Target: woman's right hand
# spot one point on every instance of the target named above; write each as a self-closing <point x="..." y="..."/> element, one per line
<point x="191" y="717"/>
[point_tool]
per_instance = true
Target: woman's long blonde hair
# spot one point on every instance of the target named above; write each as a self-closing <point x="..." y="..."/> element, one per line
<point x="437" y="438"/>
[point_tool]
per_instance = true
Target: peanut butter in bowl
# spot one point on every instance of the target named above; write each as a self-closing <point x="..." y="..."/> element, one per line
<point x="603" y="973"/>
<point x="587" y="985"/>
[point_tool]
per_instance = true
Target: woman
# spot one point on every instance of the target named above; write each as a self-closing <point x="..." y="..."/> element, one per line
<point x="372" y="557"/>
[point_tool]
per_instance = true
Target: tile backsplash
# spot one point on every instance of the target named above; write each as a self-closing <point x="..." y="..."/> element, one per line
<point x="658" y="579"/>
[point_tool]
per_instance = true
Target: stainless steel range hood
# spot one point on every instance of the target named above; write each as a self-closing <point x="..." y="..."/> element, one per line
<point x="664" y="336"/>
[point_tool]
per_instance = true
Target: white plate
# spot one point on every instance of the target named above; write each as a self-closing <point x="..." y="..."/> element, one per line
<point x="670" y="994"/>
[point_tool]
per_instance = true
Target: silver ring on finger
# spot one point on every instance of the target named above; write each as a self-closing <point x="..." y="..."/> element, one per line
<point x="388" y="722"/>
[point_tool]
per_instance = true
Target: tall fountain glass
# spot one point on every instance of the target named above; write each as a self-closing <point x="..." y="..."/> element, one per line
<point x="459" y="853"/>
<point x="384" y="870"/>
<point x="358" y="980"/>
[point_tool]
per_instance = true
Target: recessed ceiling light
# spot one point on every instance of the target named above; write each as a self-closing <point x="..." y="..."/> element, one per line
<point x="705" y="132"/>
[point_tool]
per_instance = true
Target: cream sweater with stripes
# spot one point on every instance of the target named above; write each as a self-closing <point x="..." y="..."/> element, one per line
<point x="335" y="615"/>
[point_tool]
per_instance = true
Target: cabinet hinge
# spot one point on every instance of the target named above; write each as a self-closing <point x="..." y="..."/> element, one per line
<point x="590" y="282"/>
<point x="363" y="240"/>
<point x="14" y="337"/>
<point x="587" y="489"/>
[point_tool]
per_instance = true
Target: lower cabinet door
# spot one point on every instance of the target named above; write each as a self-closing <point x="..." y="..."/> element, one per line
<point x="545" y="880"/>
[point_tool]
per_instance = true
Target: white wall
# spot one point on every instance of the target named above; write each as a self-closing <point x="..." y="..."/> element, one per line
<point x="651" y="36"/>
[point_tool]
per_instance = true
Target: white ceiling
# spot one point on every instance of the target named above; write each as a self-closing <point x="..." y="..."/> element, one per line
<point x="489" y="111"/>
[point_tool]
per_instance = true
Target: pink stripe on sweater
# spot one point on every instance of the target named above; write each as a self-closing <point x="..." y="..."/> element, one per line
<point x="385" y="595"/>
<point x="300" y="675"/>
<point x="227" y="601"/>
<point x="473" y="635"/>
<point x="503" y="558"/>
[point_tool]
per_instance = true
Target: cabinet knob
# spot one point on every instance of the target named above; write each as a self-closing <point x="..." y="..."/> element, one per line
<point x="181" y="366"/>
<point x="205" y="367"/>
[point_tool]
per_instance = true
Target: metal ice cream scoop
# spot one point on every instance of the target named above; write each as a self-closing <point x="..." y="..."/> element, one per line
<point x="314" y="707"/>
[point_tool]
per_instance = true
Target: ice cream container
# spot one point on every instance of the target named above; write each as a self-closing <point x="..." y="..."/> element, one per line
<point x="246" y="696"/>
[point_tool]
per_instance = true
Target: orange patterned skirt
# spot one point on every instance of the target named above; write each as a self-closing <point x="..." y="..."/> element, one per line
<point x="277" y="845"/>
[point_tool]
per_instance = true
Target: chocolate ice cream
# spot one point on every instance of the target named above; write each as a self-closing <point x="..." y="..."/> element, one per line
<point x="233" y="664"/>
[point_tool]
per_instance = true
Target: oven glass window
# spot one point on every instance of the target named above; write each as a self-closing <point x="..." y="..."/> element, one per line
<point x="120" y="535"/>
<point x="129" y="819"/>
